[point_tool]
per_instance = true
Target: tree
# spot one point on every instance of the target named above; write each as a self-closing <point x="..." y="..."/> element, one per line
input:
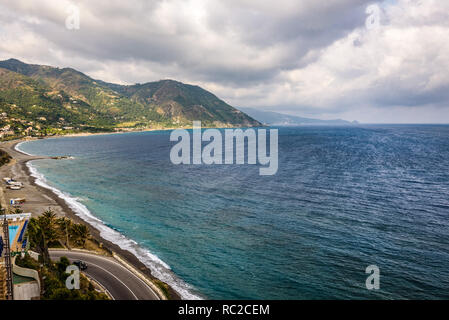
<point x="37" y="238"/>
<point x="50" y="216"/>
<point x="64" y="225"/>
<point x="41" y="232"/>
<point x="61" y="267"/>
<point x="48" y="221"/>
<point x="79" y="233"/>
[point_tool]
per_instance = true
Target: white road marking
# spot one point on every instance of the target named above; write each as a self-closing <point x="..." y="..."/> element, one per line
<point x="98" y="283"/>
<point x="115" y="278"/>
<point x="113" y="261"/>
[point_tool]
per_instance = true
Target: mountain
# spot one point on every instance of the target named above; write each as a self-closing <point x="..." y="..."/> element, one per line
<point x="52" y="100"/>
<point x="181" y="102"/>
<point x="280" y="119"/>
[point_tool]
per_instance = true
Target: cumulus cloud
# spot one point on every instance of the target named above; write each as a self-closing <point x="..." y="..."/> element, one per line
<point x="306" y="58"/>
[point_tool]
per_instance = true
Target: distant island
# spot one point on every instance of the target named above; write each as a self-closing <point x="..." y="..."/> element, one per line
<point x="38" y="100"/>
<point x="281" y="119"/>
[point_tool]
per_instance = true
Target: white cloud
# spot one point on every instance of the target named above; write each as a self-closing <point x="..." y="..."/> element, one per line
<point x="302" y="57"/>
<point x="402" y="64"/>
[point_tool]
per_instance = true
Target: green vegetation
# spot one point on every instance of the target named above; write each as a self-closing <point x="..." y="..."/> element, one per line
<point x="4" y="157"/>
<point x="53" y="278"/>
<point x="43" y="232"/>
<point x="49" y="231"/>
<point x="44" y="101"/>
<point x="79" y="233"/>
<point x="164" y="287"/>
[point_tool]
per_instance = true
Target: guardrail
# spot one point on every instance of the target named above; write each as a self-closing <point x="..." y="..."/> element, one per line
<point x="122" y="261"/>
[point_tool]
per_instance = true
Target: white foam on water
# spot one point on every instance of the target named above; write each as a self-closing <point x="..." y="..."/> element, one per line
<point x="16" y="147"/>
<point x="158" y="268"/>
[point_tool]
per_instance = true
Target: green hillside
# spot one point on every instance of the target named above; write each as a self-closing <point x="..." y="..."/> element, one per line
<point x="184" y="103"/>
<point x="42" y="100"/>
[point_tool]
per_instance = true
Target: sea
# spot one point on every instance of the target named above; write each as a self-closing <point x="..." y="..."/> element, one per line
<point x="343" y="199"/>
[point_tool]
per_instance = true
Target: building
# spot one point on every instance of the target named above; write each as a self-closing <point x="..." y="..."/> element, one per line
<point x="13" y="241"/>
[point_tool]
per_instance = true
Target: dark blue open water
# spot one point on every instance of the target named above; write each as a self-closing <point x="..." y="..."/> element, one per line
<point x="343" y="198"/>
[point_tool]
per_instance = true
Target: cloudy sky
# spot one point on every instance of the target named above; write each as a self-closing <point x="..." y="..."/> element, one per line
<point x="385" y="61"/>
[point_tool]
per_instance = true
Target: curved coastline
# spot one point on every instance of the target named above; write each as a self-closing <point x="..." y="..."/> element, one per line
<point x="16" y="147"/>
<point x="158" y="268"/>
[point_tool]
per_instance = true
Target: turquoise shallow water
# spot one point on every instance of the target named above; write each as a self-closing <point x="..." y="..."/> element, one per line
<point x="12" y="233"/>
<point x="343" y="198"/>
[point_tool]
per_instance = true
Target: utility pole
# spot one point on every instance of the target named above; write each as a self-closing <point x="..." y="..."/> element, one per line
<point x="67" y="233"/>
<point x="9" y="277"/>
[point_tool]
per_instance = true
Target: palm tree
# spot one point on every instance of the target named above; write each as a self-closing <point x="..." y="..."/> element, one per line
<point x="64" y="225"/>
<point x="36" y="235"/>
<point x="49" y="226"/>
<point x="50" y="216"/>
<point x="42" y="231"/>
<point x="79" y="233"/>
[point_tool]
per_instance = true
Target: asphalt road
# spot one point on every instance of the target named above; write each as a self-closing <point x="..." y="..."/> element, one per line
<point x="121" y="283"/>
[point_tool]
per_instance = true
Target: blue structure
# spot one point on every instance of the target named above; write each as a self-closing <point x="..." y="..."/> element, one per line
<point x="1" y="246"/>
<point x="22" y="231"/>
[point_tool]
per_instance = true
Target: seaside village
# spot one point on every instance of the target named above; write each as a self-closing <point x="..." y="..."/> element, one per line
<point x="10" y="126"/>
<point x="13" y="127"/>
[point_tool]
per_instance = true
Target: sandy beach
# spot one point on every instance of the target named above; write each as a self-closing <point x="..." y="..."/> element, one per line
<point x="39" y="199"/>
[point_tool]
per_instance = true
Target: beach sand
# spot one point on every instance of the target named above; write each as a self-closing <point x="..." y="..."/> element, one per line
<point x="39" y="199"/>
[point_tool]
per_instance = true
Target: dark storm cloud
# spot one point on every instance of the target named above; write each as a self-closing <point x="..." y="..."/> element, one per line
<point x="220" y="46"/>
<point x="252" y="53"/>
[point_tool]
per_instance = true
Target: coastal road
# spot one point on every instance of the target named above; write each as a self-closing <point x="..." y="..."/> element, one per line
<point x="121" y="283"/>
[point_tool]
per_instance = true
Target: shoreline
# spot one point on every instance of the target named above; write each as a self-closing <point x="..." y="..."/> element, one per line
<point x="86" y="134"/>
<point x="21" y="159"/>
